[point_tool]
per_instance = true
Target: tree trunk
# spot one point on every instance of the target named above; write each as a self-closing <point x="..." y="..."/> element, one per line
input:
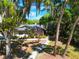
<point x="70" y="37"/>
<point x="57" y="33"/>
<point x="7" y="46"/>
<point x="58" y="27"/>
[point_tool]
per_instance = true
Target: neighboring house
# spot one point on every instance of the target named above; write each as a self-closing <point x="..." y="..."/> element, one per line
<point x="20" y="32"/>
<point x="28" y="30"/>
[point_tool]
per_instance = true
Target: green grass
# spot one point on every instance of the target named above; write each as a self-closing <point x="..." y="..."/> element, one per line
<point x="72" y="53"/>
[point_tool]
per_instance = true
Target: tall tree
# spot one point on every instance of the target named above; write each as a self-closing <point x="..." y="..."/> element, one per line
<point x="10" y="20"/>
<point x="70" y="36"/>
<point x="62" y="8"/>
<point x="74" y="8"/>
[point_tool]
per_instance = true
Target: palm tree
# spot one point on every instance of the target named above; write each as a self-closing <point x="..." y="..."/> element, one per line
<point x="75" y="15"/>
<point x="58" y="31"/>
<point x="70" y="36"/>
<point x="62" y="8"/>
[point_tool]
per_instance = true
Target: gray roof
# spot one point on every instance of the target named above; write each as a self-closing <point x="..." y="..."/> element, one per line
<point x="27" y="27"/>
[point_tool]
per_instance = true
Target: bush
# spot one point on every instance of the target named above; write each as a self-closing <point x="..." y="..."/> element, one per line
<point x="48" y="49"/>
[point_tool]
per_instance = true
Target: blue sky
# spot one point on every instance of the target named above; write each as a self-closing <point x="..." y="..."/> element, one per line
<point x="32" y="14"/>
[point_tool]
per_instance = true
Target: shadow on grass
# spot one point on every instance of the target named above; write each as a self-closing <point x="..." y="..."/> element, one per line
<point x="76" y="49"/>
<point x="16" y="50"/>
<point x="48" y="49"/>
<point x="42" y="48"/>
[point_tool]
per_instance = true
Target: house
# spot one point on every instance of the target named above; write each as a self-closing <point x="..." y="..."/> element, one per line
<point x="29" y="30"/>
